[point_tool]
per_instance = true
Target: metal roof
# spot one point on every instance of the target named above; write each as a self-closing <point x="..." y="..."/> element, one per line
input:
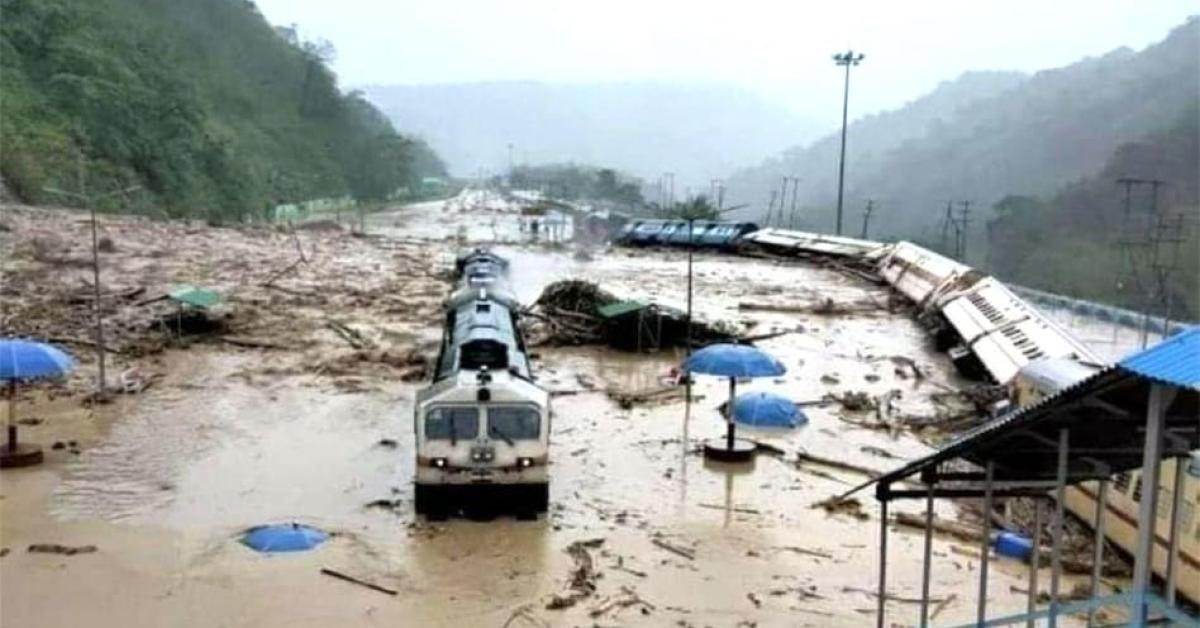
<point x="1175" y="362"/>
<point x="1105" y="417"/>
<point x="618" y="308"/>
<point x="196" y="297"/>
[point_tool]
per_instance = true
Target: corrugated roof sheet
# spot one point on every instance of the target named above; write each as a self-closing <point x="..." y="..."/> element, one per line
<point x="619" y="308"/>
<point x="1175" y="361"/>
<point x="195" y="297"/>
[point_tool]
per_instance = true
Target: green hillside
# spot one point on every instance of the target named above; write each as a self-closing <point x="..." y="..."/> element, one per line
<point x="986" y="136"/>
<point x="212" y="111"/>
<point x="1071" y="243"/>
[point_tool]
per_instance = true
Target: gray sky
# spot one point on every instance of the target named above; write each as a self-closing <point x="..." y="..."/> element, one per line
<point x="780" y="50"/>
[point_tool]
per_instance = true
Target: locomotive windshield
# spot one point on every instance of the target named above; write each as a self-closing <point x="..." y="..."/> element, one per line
<point x="513" y="422"/>
<point x="451" y="423"/>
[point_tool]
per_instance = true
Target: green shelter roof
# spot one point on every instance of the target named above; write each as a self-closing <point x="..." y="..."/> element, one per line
<point x="619" y="308"/>
<point x="195" y="297"/>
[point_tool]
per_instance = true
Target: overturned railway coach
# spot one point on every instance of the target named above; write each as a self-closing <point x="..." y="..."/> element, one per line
<point x="482" y="426"/>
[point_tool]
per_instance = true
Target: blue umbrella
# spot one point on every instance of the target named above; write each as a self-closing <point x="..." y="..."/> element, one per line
<point x="764" y="409"/>
<point x="286" y="537"/>
<point x="733" y="361"/>
<point x="24" y="360"/>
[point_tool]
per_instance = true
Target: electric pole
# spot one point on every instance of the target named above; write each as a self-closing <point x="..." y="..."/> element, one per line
<point x="847" y="59"/>
<point x="867" y="218"/>
<point x="782" y="200"/>
<point x="795" y="193"/>
<point x="90" y="202"/>
<point x="947" y="225"/>
<point x="960" y="239"/>
<point x="669" y="177"/>
<point x="771" y="208"/>
<point x="1156" y="290"/>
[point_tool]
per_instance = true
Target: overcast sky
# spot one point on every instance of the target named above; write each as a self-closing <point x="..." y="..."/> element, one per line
<point x="780" y="50"/>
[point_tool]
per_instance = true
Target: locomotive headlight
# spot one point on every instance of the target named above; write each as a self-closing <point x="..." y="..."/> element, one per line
<point x="524" y="463"/>
<point x="439" y="463"/>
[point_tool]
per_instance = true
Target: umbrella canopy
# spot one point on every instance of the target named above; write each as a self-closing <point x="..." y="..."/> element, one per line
<point x="286" y="537"/>
<point x="27" y="359"/>
<point x="732" y="360"/>
<point x="764" y="409"/>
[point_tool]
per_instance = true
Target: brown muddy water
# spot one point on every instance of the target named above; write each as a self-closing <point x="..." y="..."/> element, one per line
<point x="230" y="438"/>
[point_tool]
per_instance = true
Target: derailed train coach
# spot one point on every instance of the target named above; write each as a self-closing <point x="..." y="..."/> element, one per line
<point x="704" y="234"/>
<point x="482" y="426"/>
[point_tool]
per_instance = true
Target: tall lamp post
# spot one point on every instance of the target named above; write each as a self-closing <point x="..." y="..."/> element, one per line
<point x="847" y="59"/>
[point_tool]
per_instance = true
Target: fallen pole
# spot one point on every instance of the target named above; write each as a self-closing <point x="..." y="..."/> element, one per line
<point x="362" y="583"/>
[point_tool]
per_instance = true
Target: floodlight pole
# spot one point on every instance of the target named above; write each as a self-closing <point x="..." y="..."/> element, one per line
<point x="847" y="59"/>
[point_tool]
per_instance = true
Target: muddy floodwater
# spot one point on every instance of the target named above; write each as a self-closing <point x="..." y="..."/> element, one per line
<point x="163" y="482"/>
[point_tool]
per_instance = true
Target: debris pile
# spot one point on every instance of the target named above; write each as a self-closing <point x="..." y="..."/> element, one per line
<point x="576" y="312"/>
<point x="583" y="575"/>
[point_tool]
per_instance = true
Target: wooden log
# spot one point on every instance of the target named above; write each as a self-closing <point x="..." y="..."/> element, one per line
<point x="350" y="335"/>
<point x="253" y="343"/>
<point x="961" y="531"/>
<point x="362" y="583"/>
<point x="675" y="549"/>
<point x="802" y="456"/>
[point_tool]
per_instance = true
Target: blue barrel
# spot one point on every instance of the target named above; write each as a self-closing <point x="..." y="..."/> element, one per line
<point x="1014" y="545"/>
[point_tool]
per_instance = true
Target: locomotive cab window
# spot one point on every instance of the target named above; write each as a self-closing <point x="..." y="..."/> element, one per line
<point x="513" y="423"/>
<point x="452" y="423"/>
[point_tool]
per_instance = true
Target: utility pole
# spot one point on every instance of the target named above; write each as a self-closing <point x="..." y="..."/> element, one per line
<point x="867" y="219"/>
<point x="960" y="239"/>
<point x="782" y="201"/>
<point x="670" y="179"/>
<point x="90" y="202"/>
<point x="847" y="59"/>
<point x="947" y="225"/>
<point x="770" y="208"/>
<point x="720" y="194"/>
<point x="795" y="193"/>
<point x="1155" y="292"/>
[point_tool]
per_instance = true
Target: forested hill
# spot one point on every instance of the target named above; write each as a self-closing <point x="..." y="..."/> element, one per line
<point x="202" y="103"/>
<point x="991" y="135"/>
<point x="1078" y="241"/>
